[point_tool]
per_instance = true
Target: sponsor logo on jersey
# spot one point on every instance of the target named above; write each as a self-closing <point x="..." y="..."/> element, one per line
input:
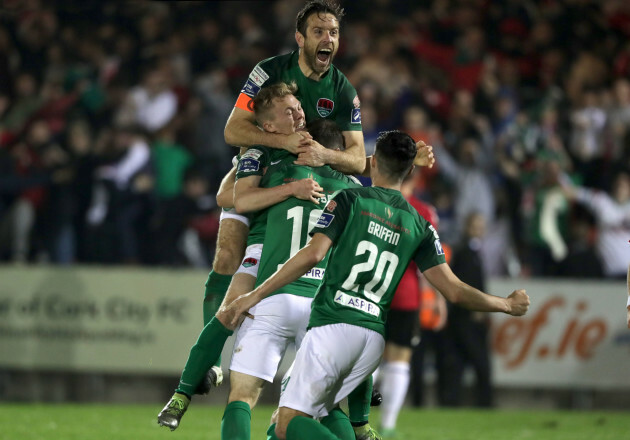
<point x="249" y="262"/>
<point x="325" y="107"/>
<point x="247" y="165"/>
<point x="355" y="102"/>
<point x="438" y="247"/>
<point x="250" y="88"/>
<point x="316" y="273"/>
<point x="258" y="76"/>
<point x="275" y="162"/>
<point x="357" y="303"/>
<point x="355" y="117"/>
<point x="331" y="206"/>
<point x="324" y="220"/>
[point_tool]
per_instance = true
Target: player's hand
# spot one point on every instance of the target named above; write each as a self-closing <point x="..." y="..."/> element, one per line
<point x="628" y="317"/>
<point x="518" y="302"/>
<point x="296" y="140"/>
<point x="424" y="155"/>
<point x="312" y="154"/>
<point x="240" y="307"/>
<point x="307" y="189"/>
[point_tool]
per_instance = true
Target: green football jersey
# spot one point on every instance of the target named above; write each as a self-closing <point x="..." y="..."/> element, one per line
<point x="255" y="162"/>
<point x="331" y="97"/>
<point x="289" y="222"/>
<point x="375" y="234"/>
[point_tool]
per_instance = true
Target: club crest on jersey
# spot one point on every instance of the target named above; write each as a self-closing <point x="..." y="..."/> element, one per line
<point x="331" y="206"/>
<point x="249" y="262"/>
<point x="324" y="107"/>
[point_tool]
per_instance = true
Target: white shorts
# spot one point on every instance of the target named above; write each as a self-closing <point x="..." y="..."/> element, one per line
<point x="251" y="260"/>
<point x="261" y="342"/>
<point x="231" y="213"/>
<point x="332" y="361"/>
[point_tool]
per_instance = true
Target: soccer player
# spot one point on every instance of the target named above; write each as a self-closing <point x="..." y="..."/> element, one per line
<point x="401" y="328"/>
<point x="374" y="234"/>
<point x="281" y="318"/>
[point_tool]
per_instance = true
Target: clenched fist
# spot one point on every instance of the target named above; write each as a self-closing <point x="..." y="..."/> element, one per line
<point x="518" y="302"/>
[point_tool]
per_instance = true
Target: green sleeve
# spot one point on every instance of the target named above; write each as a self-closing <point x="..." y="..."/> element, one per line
<point x="262" y="75"/>
<point x="253" y="162"/>
<point x="349" y="115"/>
<point x="335" y="216"/>
<point x="430" y="252"/>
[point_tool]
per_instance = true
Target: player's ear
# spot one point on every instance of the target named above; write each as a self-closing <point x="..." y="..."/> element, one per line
<point x="299" y="38"/>
<point x="268" y="127"/>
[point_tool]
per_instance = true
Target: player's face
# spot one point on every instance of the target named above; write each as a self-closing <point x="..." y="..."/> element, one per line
<point x="288" y="115"/>
<point x="321" y="41"/>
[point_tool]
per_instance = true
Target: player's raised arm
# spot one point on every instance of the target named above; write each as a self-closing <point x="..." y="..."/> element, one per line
<point x="424" y="158"/>
<point x="460" y="293"/>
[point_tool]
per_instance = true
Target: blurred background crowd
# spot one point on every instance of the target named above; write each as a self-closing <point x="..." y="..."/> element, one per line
<point x="112" y="117"/>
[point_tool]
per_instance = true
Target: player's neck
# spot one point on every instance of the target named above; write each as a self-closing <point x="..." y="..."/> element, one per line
<point x="385" y="183"/>
<point x="306" y="70"/>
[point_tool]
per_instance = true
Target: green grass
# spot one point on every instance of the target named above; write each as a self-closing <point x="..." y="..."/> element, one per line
<point x="117" y="422"/>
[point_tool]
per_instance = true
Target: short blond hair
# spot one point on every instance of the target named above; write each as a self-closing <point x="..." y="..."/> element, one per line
<point x="263" y="101"/>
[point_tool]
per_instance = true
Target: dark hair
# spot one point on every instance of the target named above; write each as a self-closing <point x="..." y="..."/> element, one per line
<point x="263" y="101"/>
<point x="317" y="7"/>
<point x="327" y="133"/>
<point x="395" y="152"/>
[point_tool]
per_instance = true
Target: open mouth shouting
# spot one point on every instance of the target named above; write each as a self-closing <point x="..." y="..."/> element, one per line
<point x="324" y="56"/>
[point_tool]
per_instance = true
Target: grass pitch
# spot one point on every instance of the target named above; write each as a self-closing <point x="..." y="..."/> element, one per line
<point x="138" y="422"/>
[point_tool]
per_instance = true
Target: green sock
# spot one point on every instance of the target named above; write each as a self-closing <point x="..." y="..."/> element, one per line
<point x="305" y="428"/>
<point x="271" y="432"/>
<point x="237" y="421"/>
<point x="339" y="424"/>
<point x="216" y="287"/>
<point x="203" y="355"/>
<point x="359" y="402"/>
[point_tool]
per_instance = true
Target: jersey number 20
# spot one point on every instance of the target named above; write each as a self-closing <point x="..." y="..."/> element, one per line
<point x="387" y="263"/>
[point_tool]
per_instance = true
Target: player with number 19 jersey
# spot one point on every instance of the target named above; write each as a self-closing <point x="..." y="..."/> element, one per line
<point x="375" y="233"/>
<point x="283" y="228"/>
<point x="289" y="222"/>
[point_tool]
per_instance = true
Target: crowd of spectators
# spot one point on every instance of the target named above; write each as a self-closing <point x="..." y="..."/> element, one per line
<point x="112" y="117"/>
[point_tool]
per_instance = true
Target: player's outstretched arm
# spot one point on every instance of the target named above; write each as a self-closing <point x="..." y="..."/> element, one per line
<point x="241" y="131"/>
<point x="249" y="197"/>
<point x="460" y="293"/>
<point x="225" y="195"/>
<point x="311" y="254"/>
<point x="349" y="161"/>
